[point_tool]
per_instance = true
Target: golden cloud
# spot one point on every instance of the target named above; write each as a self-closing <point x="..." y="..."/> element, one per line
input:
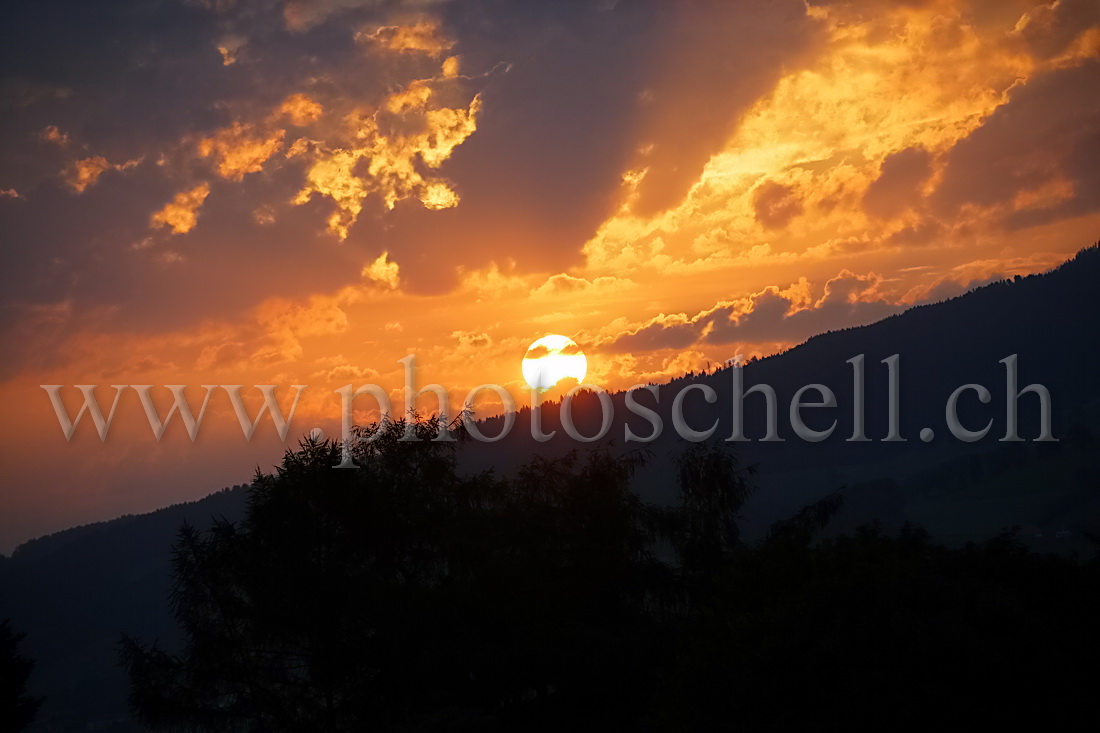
<point x="388" y="148"/>
<point x="182" y="213"/>
<point x="491" y="283"/>
<point x="286" y="323"/>
<point x="300" y="109"/>
<point x="797" y="167"/>
<point x="240" y="149"/>
<point x="383" y="271"/>
<point x="564" y="283"/>
<point x="450" y="67"/>
<point x="472" y="340"/>
<point x="421" y="37"/>
<point x="80" y="174"/>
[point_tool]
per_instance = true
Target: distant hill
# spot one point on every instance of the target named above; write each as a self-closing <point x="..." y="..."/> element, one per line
<point x="958" y="490"/>
<point x="74" y="592"/>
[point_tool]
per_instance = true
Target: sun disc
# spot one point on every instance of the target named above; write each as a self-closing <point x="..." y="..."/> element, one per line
<point x="551" y="359"/>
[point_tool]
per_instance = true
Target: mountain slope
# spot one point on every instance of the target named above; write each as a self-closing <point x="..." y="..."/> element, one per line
<point x="74" y="592"/>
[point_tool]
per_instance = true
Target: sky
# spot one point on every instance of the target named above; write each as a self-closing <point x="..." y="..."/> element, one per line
<point x="304" y="192"/>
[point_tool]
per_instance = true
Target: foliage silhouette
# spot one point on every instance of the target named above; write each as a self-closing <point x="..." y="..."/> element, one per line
<point x="17" y="708"/>
<point x="876" y="631"/>
<point x="403" y="595"/>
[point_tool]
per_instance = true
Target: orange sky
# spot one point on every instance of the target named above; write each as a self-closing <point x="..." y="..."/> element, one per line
<point x="308" y="197"/>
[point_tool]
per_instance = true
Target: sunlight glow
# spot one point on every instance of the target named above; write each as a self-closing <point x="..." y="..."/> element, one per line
<point x="551" y="359"/>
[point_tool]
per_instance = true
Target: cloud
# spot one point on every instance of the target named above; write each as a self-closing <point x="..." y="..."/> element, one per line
<point x="230" y="47"/>
<point x="769" y="316"/>
<point x="10" y="193"/>
<point x="181" y="214"/>
<point x="969" y="275"/>
<point x="343" y="371"/>
<point x="565" y="284"/>
<point x="705" y="82"/>
<point x="473" y="340"/>
<point x="53" y="135"/>
<point x="286" y="323"/>
<point x="387" y="153"/>
<point x="80" y="174"/>
<point x="571" y="350"/>
<point x="674" y="366"/>
<point x="300" y="109"/>
<point x="775" y="204"/>
<point x="1063" y="31"/>
<point x="302" y="15"/>
<point x="422" y="37"/>
<point x="383" y="271"/>
<point x="240" y="149"/>
<point x="1033" y="161"/>
<point x="898" y="184"/>
<point x="491" y="283"/>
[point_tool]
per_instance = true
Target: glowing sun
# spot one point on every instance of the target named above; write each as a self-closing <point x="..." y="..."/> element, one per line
<point x="551" y="359"/>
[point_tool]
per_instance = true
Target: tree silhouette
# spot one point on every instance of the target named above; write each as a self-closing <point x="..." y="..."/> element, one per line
<point x="405" y="595"/>
<point x="17" y="708"/>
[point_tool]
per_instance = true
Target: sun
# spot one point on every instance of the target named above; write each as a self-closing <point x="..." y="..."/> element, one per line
<point x="551" y="359"/>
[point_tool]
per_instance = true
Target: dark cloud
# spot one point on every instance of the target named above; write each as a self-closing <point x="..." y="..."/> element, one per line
<point x="570" y="92"/>
<point x="544" y="167"/>
<point x="713" y="60"/>
<point x="587" y="88"/>
<point x="919" y="234"/>
<point x="1048" y="30"/>
<point x="898" y="184"/>
<point x="770" y="317"/>
<point x="775" y="204"/>
<point x="1049" y="131"/>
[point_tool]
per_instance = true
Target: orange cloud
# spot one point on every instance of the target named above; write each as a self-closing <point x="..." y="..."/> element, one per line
<point x="421" y="37"/>
<point x="300" y="109"/>
<point x="383" y="271"/>
<point x="286" y="323"/>
<point x="562" y="283"/>
<point x="769" y="316"/>
<point x="240" y="149"/>
<point x="80" y="174"/>
<point x="775" y="204"/>
<point x="472" y="341"/>
<point x="387" y="151"/>
<point x="53" y="135"/>
<point x="450" y="67"/>
<point x="182" y="213"/>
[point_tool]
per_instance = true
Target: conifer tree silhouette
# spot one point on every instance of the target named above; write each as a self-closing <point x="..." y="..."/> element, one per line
<point x="404" y="595"/>
<point x="17" y="708"/>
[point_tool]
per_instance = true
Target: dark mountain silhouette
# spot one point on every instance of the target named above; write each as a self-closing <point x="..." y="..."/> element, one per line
<point x="75" y="591"/>
<point x="956" y="490"/>
<point x="402" y="595"/>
